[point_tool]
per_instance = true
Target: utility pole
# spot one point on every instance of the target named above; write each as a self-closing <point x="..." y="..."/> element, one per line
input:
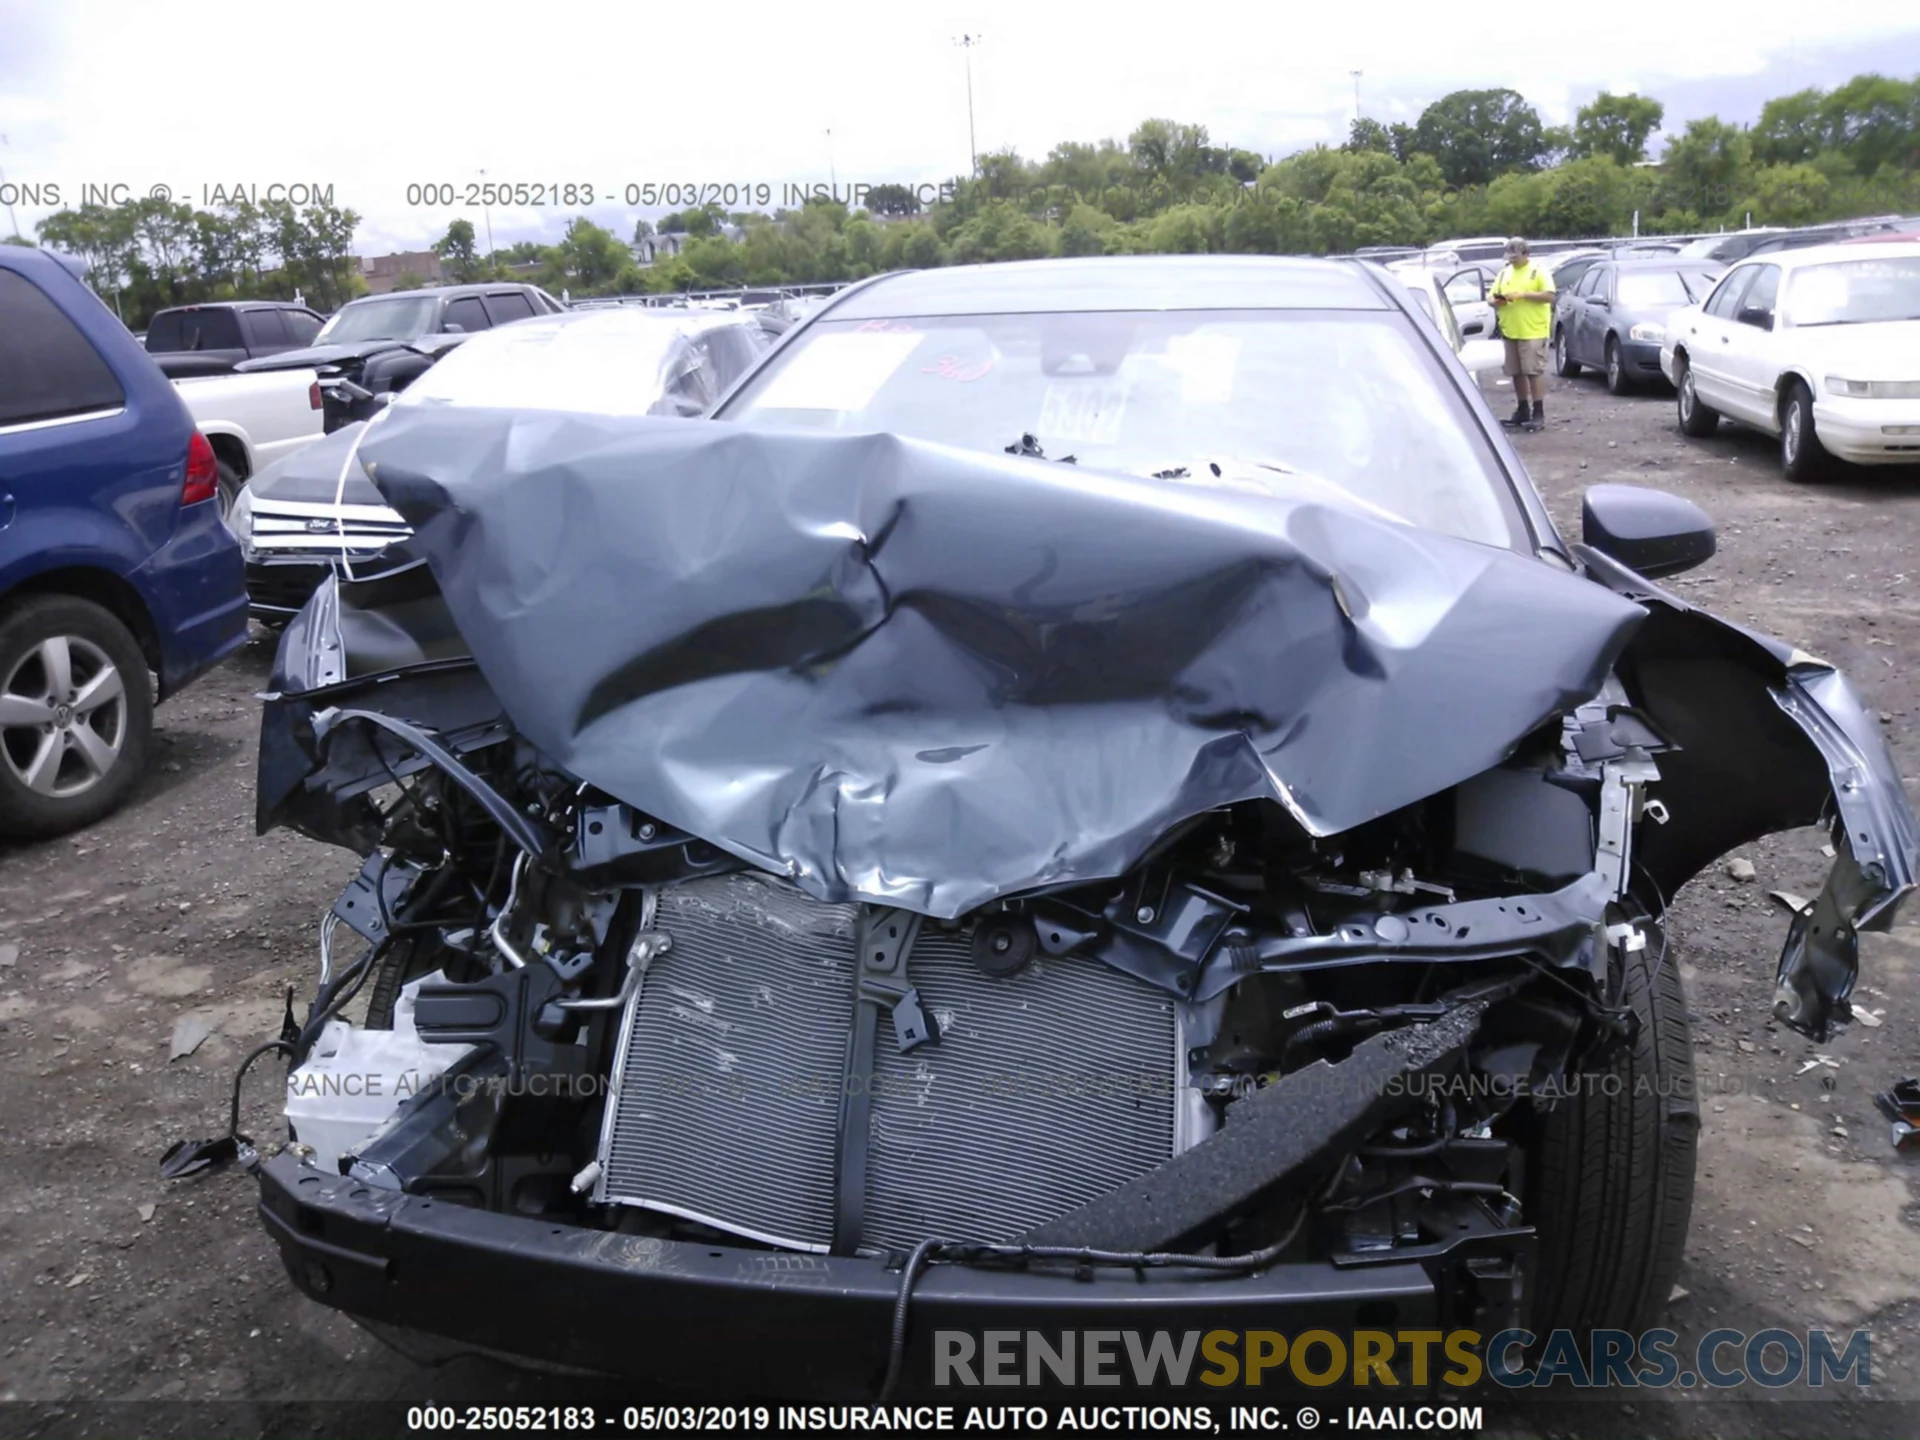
<point x="967" y="44"/>
<point x="833" y="175"/>
<point x="1356" y="93"/>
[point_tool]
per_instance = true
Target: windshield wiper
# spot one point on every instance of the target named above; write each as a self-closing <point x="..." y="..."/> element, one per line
<point x="1028" y="446"/>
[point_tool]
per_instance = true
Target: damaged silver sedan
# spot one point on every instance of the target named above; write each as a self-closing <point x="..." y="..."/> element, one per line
<point x="1093" y="789"/>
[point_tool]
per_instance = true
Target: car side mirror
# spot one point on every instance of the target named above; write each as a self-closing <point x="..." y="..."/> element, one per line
<point x="453" y="327"/>
<point x="1649" y="531"/>
<point x="1759" y="319"/>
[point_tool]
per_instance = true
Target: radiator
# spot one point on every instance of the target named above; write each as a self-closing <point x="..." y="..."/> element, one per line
<point x="1044" y="1090"/>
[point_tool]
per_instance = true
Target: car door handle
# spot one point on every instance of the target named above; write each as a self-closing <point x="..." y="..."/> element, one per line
<point x="1726" y="339"/>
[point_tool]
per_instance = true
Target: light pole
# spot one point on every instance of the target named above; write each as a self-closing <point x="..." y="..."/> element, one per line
<point x="966" y="44"/>
<point x="486" y="216"/>
<point x="833" y="175"/>
<point x="1356" y="93"/>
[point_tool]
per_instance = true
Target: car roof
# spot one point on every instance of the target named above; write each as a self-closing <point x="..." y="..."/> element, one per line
<point x="29" y="258"/>
<point x="634" y="319"/>
<point x="1663" y="262"/>
<point x="237" y="305"/>
<point x="1832" y="251"/>
<point x="450" y="292"/>
<point x="1115" y="282"/>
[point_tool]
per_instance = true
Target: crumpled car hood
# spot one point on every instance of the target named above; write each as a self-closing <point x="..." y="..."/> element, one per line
<point x="928" y="678"/>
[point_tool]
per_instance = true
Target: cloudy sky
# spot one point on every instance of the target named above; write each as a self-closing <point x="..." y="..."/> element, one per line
<point x="373" y="98"/>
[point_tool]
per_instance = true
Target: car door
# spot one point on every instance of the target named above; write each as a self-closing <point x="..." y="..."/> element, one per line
<point x="266" y="333"/>
<point x="1466" y="291"/>
<point x="1751" y="353"/>
<point x="1708" y="340"/>
<point x="506" y="306"/>
<point x="1600" y="307"/>
<point x="1582" y="346"/>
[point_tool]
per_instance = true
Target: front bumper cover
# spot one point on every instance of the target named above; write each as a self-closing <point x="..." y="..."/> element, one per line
<point x="720" y="1318"/>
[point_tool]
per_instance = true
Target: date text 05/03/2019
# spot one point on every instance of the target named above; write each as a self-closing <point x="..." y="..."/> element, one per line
<point x="673" y="194"/>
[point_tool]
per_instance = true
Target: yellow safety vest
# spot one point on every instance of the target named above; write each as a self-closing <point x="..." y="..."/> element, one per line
<point x="1524" y="319"/>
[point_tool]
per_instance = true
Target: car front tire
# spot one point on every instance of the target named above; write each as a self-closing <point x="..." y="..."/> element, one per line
<point x="1802" y="456"/>
<point x="1618" y="381"/>
<point x="1563" y="364"/>
<point x="1613" y="1163"/>
<point x="1697" y="418"/>
<point x="76" y="715"/>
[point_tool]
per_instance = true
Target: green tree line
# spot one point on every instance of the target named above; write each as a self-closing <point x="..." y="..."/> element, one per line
<point x="1474" y="162"/>
<point x="148" y="254"/>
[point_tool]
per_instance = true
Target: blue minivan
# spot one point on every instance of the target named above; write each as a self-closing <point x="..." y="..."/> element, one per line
<point x="115" y="567"/>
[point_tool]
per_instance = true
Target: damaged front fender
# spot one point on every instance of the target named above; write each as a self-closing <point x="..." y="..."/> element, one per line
<point x="1769" y="738"/>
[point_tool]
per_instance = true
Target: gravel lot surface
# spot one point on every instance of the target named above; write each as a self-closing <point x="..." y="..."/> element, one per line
<point x="120" y="1286"/>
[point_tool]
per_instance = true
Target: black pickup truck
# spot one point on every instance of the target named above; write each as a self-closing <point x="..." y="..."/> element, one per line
<point x="211" y="339"/>
<point x="377" y="345"/>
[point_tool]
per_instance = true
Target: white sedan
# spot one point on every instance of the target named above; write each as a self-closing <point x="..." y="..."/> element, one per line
<point x="1820" y="347"/>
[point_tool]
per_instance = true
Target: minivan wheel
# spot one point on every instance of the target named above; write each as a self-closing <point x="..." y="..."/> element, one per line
<point x="1563" y="364"/>
<point x="1697" y="418"/>
<point x="1613" y="1165"/>
<point x="76" y="715"/>
<point x="1802" y="456"/>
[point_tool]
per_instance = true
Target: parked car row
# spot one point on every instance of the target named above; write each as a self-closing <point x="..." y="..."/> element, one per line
<point x="137" y="510"/>
<point x="1768" y="240"/>
<point x="374" y="347"/>
<point x="318" y="514"/>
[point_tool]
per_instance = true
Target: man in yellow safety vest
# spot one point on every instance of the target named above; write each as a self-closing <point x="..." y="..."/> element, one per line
<point x="1522" y="296"/>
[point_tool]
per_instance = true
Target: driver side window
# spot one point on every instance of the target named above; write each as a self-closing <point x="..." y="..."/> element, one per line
<point x="1727" y="297"/>
<point x="467" y="314"/>
<point x="1756" y="306"/>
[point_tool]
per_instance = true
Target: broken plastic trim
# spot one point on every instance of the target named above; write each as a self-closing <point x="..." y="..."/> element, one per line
<point x="524" y="832"/>
<point x="1873" y="843"/>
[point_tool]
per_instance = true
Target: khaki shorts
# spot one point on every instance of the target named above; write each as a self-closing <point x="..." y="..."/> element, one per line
<point x="1526" y="357"/>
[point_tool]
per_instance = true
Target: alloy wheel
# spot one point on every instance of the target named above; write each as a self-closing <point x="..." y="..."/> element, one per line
<point x="1791" y="433"/>
<point x="63" y="717"/>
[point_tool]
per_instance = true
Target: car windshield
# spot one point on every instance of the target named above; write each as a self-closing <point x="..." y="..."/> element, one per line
<point x="379" y="320"/>
<point x="609" y="364"/>
<point x="1350" y="402"/>
<point x="1857" y="292"/>
<point x="1700" y="283"/>
<point x="1653" y="288"/>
